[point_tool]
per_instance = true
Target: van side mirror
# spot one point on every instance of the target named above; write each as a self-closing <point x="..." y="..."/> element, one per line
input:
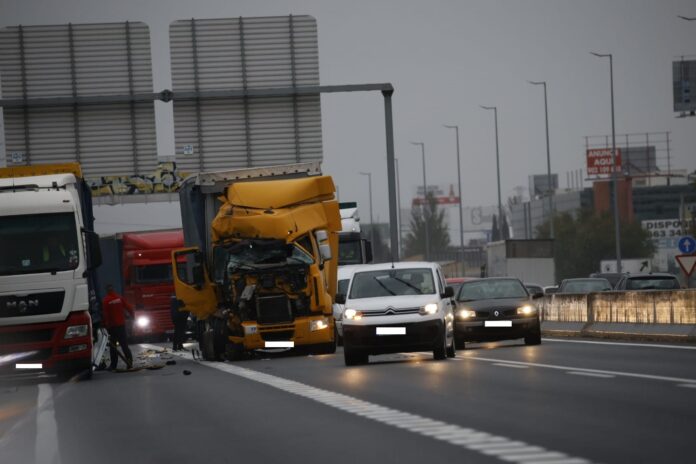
<point x="340" y="298"/>
<point x="449" y="292"/>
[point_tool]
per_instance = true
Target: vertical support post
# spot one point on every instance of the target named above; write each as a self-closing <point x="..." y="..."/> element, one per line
<point x="497" y="167"/>
<point x="25" y="108"/>
<point x="293" y="77"/>
<point x="391" y="175"/>
<point x="614" y="176"/>
<point x="196" y="86"/>
<point x="647" y="157"/>
<point x="398" y="203"/>
<point x="247" y="128"/>
<point x="669" y="163"/>
<point x="131" y="91"/>
<point x="73" y="78"/>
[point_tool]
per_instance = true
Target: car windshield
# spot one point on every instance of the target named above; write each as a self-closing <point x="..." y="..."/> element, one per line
<point x="349" y="252"/>
<point x="491" y="290"/>
<point x="391" y="282"/>
<point x="35" y="243"/>
<point x="652" y="283"/>
<point x="585" y="286"/>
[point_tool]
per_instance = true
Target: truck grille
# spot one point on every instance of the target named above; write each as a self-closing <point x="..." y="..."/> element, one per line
<point x="31" y="305"/>
<point x="27" y="336"/>
<point x="282" y="335"/>
<point x="273" y="309"/>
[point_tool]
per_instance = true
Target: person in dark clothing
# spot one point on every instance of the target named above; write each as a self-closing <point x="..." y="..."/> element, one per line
<point x="113" y="309"/>
<point x="179" y="319"/>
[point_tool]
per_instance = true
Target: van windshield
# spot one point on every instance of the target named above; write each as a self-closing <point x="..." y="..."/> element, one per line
<point x="390" y="282"/>
<point x="33" y="243"/>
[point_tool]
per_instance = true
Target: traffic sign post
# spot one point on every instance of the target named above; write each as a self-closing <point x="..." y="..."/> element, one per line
<point x="687" y="244"/>
<point x="687" y="263"/>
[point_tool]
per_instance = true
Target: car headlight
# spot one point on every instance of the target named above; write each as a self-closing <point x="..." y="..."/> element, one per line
<point x="142" y="321"/>
<point x="318" y="324"/>
<point x="429" y="309"/>
<point x="74" y="331"/>
<point x="352" y="314"/>
<point x="526" y="310"/>
<point x="466" y="313"/>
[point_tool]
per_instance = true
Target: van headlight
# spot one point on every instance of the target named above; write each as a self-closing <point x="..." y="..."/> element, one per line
<point x="352" y="314"/>
<point x="428" y="310"/>
<point x="526" y="310"/>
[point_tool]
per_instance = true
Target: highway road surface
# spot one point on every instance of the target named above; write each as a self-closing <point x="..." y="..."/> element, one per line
<point x="566" y="401"/>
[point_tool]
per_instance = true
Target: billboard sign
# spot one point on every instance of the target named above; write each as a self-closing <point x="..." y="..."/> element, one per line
<point x="683" y="77"/>
<point x="599" y="161"/>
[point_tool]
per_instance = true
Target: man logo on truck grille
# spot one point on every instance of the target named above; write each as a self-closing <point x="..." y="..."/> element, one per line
<point x="22" y="305"/>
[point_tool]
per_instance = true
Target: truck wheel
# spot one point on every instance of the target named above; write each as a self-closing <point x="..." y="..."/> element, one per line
<point x="352" y="358"/>
<point x="234" y="351"/>
<point x="207" y="346"/>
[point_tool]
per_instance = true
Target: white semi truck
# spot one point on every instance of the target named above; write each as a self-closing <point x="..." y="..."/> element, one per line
<point x="48" y="257"/>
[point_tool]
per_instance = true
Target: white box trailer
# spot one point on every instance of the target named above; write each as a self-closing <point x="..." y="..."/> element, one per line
<point x="531" y="261"/>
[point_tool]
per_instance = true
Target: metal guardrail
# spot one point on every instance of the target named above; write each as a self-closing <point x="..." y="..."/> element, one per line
<point x="638" y="307"/>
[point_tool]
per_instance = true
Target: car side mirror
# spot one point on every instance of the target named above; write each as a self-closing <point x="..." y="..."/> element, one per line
<point x="340" y="298"/>
<point x="536" y="295"/>
<point x="449" y="292"/>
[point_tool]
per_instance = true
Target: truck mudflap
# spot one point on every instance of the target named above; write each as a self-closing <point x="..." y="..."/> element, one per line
<point x="44" y="346"/>
<point x="304" y="331"/>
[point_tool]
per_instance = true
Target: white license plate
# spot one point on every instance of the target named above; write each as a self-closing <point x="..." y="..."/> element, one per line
<point x="497" y="324"/>
<point x="391" y="330"/>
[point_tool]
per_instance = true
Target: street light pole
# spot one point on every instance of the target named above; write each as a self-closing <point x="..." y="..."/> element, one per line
<point x="497" y="164"/>
<point x="615" y="202"/>
<point x="549" y="191"/>
<point x="426" y="223"/>
<point x="398" y="202"/>
<point x="372" y="223"/>
<point x="459" y="182"/>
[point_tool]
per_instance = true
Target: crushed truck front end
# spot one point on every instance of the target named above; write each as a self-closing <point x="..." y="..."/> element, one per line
<point x="266" y="277"/>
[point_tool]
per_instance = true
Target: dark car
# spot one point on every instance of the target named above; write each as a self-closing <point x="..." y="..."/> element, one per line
<point x="584" y="285"/>
<point x="612" y="277"/>
<point x="498" y="308"/>
<point x="648" y="282"/>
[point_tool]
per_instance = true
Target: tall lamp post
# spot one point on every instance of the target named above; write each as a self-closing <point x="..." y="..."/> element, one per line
<point x="398" y="202"/>
<point x="426" y="223"/>
<point x="549" y="191"/>
<point x="372" y="223"/>
<point x="614" y="186"/>
<point x="459" y="183"/>
<point x="497" y="164"/>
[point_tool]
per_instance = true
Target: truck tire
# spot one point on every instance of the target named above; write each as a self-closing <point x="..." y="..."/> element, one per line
<point x="234" y="351"/>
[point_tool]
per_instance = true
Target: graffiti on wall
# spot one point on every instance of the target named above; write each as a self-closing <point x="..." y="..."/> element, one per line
<point x="165" y="179"/>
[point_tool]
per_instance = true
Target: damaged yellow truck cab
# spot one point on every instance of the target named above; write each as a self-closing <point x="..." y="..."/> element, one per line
<point x="260" y="269"/>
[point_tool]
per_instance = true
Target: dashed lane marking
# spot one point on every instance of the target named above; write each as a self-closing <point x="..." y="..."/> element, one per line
<point x="514" y="366"/>
<point x="591" y="374"/>
<point x="464" y="437"/>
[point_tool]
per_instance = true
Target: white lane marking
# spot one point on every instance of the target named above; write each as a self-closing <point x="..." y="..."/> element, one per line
<point x="514" y="366"/>
<point x="592" y="374"/>
<point x="450" y="433"/>
<point x="46" y="451"/>
<point x="687" y="385"/>
<point x="644" y="345"/>
<point x="556" y="461"/>
<point x="583" y="369"/>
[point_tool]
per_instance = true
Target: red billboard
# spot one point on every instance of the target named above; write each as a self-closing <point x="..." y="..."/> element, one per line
<point x="599" y="161"/>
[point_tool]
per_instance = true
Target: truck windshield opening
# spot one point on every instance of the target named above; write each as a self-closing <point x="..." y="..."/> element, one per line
<point x="349" y="252"/>
<point x="33" y="243"/>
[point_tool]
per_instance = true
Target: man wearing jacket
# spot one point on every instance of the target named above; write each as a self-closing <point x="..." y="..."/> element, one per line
<point x="113" y="307"/>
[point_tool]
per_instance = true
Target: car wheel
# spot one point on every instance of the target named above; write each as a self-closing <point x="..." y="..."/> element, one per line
<point x="440" y="350"/>
<point x="533" y="338"/>
<point x="452" y="350"/>
<point x="352" y="358"/>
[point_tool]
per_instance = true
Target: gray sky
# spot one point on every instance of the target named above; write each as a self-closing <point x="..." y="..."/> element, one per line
<point x="444" y="59"/>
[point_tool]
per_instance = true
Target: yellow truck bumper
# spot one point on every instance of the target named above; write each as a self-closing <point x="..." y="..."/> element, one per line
<point x="312" y="330"/>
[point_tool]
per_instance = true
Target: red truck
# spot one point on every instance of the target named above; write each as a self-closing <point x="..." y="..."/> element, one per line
<point x="138" y="265"/>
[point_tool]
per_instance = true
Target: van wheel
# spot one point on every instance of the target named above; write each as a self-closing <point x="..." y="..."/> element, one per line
<point x="440" y="350"/>
<point x="452" y="350"/>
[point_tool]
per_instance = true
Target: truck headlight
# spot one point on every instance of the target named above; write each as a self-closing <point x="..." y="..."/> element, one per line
<point x="526" y="310"/>
<point x="429" y="309"/>
<point x="74" y="331"/>
<point x="352" y="314"/>
<point x="466" y="313"/>
<point x="142" y="321"/>
<point x="318" y="325"/>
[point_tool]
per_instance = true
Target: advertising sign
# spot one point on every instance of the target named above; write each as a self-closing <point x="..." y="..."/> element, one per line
<point x="599" y="161"/>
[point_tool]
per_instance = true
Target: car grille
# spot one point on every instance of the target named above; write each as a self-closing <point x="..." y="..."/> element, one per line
<point x="273" y="309"/>
<point x="391" y="312"/>
<point x="31" y="305"/>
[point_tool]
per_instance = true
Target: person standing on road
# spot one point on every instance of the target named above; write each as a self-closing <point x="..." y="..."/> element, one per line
<point x="179" y="319"/>
<point x="113" y="307"/>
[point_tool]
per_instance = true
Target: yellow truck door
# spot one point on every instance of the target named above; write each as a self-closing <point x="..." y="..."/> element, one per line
<point x="191" y="282"/>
